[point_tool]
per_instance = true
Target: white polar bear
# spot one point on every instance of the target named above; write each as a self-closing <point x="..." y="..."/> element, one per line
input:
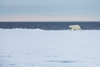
<point x="75" y="27"/>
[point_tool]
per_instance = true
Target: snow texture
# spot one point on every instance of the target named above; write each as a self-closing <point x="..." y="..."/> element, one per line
<point x="40" y="48"/>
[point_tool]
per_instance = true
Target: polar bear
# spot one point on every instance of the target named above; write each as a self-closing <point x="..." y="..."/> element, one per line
<point x="75" y="27"/>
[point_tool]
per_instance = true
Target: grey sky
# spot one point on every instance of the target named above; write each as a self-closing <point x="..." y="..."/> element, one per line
<point x="51" y="8"/>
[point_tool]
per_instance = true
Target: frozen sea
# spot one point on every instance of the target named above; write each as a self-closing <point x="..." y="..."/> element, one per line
<point x="49" y="48"/>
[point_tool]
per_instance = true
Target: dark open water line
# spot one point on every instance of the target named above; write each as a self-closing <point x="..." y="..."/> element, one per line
<point x="50" y="25"/>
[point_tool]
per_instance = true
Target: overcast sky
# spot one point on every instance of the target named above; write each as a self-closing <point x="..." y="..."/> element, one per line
<point x="49" y="10"/>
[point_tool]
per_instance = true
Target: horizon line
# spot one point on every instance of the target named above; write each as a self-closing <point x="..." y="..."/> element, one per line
<point x="49" y="21"/>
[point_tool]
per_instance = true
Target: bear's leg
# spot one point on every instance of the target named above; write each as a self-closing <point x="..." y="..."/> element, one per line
<point x="80" y="29"/>
<point x="72" y="29"/>
<point x="77" y="29"/>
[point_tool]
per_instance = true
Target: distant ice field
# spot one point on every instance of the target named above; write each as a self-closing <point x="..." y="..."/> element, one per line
<point x="49" y="48"/>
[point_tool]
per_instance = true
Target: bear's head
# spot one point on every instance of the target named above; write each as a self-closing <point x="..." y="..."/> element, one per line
<point x="70" y="26"/>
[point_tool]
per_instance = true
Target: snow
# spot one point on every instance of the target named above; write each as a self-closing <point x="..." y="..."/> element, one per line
<point x="42" y="48"/>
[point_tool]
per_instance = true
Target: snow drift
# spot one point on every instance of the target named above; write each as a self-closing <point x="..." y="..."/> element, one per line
<point x="40" y="48"/>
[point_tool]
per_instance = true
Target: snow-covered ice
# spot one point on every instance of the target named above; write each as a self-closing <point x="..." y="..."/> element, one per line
<point x="41" y="48"/>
